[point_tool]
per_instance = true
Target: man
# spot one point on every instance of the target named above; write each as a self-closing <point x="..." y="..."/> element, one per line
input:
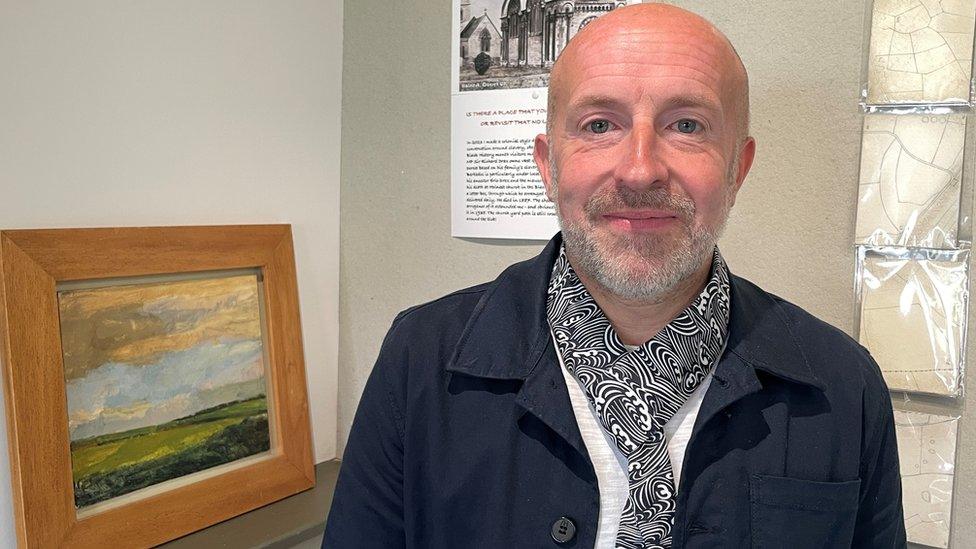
<point x="623" y="389"/>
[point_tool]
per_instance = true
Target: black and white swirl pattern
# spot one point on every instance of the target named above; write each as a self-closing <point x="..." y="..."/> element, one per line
<point x="635" y="393"/>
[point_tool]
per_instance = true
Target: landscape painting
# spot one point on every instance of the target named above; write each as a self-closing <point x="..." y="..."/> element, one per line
<point x="163" y="380"/>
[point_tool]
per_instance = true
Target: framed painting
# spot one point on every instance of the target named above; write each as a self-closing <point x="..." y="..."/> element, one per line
<point x="154" y="380"/>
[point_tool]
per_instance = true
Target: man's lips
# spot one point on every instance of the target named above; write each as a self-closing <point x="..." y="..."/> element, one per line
<point x="641" y="220"/>
<point x="641" y="214"/>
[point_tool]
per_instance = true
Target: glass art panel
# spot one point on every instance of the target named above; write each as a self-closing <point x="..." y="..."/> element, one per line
<point x="913" y="316"/>
<point x="921" y="52"/>
<point x="926" y="453"/>
<point x="911" y="175"/>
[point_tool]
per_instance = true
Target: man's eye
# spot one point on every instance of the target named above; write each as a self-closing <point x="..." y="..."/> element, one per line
<point x="599" y="126"/>
<point x="687" y="126"/>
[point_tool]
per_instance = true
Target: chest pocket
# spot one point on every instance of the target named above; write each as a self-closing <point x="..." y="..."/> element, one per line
<point x="800" y="514"/>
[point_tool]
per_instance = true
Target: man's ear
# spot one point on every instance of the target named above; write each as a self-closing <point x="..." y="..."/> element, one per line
<point x="746" y="155"/>
<point x="541" y="155"/>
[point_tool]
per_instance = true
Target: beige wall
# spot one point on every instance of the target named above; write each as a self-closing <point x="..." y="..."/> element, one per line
<point x="791" y="229"/>
<point x="180" y="112"/>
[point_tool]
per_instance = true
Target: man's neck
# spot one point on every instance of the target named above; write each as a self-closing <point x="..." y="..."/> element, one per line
<point x="637" y="321"/>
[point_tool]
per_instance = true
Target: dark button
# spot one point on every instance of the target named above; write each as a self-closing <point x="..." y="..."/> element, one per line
<point x="563" y="530"/>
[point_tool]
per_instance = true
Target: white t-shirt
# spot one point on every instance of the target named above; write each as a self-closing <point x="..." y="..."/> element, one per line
<point x="611" y="465"/>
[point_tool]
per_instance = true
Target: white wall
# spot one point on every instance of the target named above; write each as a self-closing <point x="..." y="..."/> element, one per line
<point x="176" y="113"/>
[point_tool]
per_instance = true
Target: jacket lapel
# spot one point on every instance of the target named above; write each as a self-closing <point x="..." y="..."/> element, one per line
<point x="544" y="394"/>
<point x="760" y="338"/>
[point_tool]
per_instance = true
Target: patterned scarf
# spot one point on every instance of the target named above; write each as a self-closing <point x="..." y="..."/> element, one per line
<point x="635" y="393"/>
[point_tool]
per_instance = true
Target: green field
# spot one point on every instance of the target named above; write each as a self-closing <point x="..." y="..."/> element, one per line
<point x="107" y="466"/>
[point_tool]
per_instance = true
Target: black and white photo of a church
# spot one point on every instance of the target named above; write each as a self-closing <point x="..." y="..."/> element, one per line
<point x="520" y="39"/>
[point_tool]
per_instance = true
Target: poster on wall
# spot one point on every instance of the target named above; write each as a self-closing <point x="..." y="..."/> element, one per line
<point x="503" y="52"/>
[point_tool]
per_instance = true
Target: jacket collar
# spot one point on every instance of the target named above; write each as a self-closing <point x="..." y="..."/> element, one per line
<point x="508" y="333"/>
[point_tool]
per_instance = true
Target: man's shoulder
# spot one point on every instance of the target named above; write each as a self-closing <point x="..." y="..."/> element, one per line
<point x="427" y="340"/>
<point x="834" y="356"/>
<point x="448" y="311"/>
<point x="445" y="318"/>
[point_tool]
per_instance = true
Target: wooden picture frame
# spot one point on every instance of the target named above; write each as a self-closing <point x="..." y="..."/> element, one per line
<point x="32" y="265"/>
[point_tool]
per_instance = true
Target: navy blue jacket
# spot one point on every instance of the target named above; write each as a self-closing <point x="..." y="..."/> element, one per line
<point x="465" y="436"/>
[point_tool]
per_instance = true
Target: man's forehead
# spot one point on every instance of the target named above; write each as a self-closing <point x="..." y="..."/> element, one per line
<point x="668" y="51"/>
<point x="648" y="38"/>
<point x="650" y="57"/>
<point x="651" y="17"/>
<point x="612" y="98"/>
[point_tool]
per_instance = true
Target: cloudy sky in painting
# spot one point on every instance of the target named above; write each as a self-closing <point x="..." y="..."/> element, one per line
<point x="143" y="355"/>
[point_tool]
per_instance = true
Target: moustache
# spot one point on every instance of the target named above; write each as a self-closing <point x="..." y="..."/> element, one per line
<point x="615" y="199"/>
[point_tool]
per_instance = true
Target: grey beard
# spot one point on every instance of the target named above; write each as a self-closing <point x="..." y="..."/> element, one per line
<point x="655" y="271"/>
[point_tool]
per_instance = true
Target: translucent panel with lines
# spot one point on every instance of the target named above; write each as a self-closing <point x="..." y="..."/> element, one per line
<point x="921" y="51"/>
<point x="911" y="175"/>
<point x="913" y="316"/>
<point x="926" y="453"/>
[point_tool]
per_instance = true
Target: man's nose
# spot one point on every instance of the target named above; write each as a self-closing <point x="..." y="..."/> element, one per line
<point x="641" y="164"/>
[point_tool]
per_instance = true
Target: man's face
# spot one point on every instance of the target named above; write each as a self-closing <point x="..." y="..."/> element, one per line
<point x="645" y="154"/>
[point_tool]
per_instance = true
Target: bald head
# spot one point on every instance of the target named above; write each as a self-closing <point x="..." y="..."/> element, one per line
<point x="668" y="24"/>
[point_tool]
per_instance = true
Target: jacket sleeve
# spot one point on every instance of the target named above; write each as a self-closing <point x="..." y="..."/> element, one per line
<point x="880" y="518"/>
<point x="367" y="506"/>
